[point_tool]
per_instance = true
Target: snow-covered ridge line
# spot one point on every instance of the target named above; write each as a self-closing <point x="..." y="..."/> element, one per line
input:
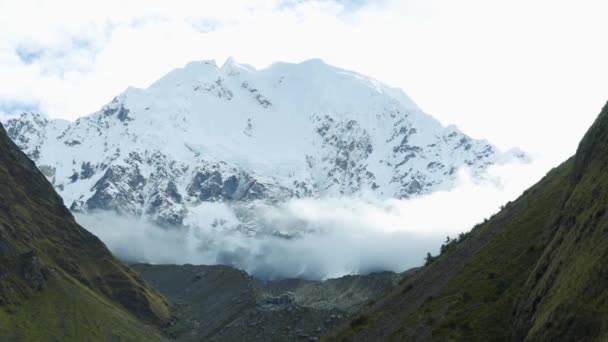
<point x="235" y="134"/>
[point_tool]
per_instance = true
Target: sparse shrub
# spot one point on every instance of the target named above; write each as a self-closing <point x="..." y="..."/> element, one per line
<point x="360" y="321"/>
<point x="429" y="259"/>
<point x="451" y="243"/>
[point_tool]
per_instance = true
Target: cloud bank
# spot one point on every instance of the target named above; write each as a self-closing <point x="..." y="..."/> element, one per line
<point x="317" y="238"/>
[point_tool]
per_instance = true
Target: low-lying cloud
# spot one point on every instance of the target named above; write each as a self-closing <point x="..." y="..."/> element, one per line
<point x="317" y="238"/>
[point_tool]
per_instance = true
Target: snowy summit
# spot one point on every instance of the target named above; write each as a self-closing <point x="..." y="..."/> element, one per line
<point x="230" y="134"/>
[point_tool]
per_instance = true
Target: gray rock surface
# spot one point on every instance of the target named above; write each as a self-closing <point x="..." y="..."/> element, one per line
<point x="220" y="303"/>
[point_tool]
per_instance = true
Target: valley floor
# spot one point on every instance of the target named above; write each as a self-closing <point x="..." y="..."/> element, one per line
<point x="220" y="303"/>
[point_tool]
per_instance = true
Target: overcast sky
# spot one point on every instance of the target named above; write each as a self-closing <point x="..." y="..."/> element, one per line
<point x="518" y="73"/>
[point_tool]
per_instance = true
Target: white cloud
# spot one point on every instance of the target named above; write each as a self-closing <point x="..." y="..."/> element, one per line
<point x="505" y="71"/>
<point x="333" y="236"/>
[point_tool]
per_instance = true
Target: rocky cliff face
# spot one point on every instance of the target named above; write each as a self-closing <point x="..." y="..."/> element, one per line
<point x="235" y="134"/>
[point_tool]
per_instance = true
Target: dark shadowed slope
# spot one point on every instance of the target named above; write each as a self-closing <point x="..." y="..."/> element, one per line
<point x="58" y="281"/>
<point x="536" y="271"/>
<point x="220" y="303"/>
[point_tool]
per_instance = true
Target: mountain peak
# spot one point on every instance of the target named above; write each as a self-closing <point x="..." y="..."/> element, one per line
<point x="232" y="68"/>
<point x="239" y="134"/>
<point x="315" y="62"/>
<point x="230" y="62"/>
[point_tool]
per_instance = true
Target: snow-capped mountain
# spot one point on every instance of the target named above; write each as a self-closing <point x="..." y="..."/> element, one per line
<point x="231" y="134"/>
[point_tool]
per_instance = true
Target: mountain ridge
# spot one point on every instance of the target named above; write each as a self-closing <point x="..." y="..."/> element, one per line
<point x="235" y="134"/>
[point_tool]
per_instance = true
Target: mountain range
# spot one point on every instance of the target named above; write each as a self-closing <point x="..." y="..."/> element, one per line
<point x="535" y="271"/>
<point x="234" y="135"/>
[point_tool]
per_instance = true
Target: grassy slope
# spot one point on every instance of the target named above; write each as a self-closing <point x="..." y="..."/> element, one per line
<point x="566" y="295"/>
<point x="66" y="311"/>
<point x="477" y="302"/>
<point x="538" y="270"/>
<point x="465" y="293"/>
<point x="72" y="285"/>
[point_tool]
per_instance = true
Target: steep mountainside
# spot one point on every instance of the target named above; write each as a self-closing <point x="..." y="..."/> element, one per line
<point x="234" y="134"/>
<point x="57" y="281"/>
<point x="536" y="271"/>
<point x="220" y="303"/>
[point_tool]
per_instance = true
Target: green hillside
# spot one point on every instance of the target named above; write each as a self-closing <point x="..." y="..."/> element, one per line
<point x="537" y="271"/>
<point x="58" y="282"/>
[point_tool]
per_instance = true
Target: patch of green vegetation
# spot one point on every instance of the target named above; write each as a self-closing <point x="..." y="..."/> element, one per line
<point x="447" y="246"/>
<point x="58" y="281"/>
<point x="356" y="324"/>
<point x="567" y="294"/>
<point x="479" y="300"/>
<point x="66" y="311"/>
